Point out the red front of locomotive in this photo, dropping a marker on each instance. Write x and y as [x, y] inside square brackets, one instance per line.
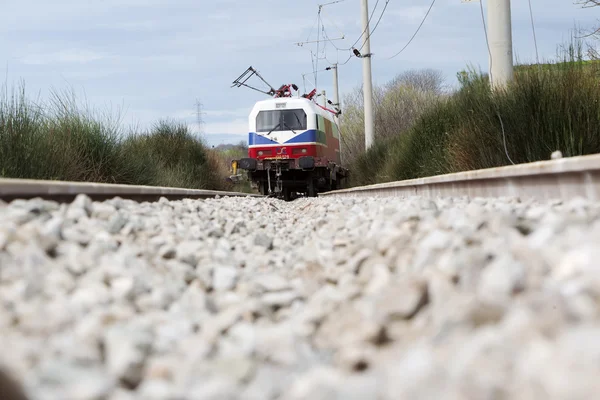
[291, 129]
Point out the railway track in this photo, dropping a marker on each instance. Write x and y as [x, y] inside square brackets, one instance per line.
[483, 285]
[565, 178]
[60, 191]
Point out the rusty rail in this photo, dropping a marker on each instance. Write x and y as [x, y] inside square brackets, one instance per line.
[11, 189]
[564, 178]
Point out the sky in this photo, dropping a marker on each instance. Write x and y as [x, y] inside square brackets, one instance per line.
[157, 59]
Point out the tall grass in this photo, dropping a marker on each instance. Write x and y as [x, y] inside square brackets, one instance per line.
[59, 140]
[546, 108]
[225, 155]
[397, 105]
[170, 156]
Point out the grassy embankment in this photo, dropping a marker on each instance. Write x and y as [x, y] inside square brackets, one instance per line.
[228, 153]
[58, 140]
[549, 107]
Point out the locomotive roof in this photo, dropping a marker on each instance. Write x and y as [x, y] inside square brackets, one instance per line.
[291, 102]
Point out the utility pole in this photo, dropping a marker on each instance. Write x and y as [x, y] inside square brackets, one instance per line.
[336, 92]
[336, 101]
[500, 40]
[367, 79]
[199, 113]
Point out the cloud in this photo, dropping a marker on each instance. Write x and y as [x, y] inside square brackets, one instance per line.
[412, 13]
[159, 56]
[67, 56]
[132, 26]
[239, 112]
[235, 126]
[220, 16]
[220, 114]
[215, 140]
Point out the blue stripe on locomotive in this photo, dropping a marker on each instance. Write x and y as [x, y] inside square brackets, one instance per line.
[254, 139]
[308, 136]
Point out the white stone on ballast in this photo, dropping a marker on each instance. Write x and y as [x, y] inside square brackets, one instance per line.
[246, 298]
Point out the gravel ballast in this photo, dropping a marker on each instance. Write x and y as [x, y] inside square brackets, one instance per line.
[327, 298]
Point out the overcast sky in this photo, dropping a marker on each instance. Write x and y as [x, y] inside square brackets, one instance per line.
[157, 57]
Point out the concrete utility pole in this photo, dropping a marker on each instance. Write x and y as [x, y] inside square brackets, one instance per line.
[336, 92]
[500, 39]
[336, 101]
[367, 79]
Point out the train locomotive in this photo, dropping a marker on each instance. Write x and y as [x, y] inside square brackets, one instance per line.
[293, 145]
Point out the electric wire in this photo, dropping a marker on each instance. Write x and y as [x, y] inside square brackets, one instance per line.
[325, 46]
[312, 59]
[369, 36]
[321, 27]
[347, 60]
[376, 25]
[327, 58]
[318, 35]
[487, 41]
[360, 37]
[337, 52]
[326, 36]
[312, 29]
[304, 77]
[416, 32]
[333, 23]
[363, 32]
[492, 80]
[321, 70]
[367, 27]
[537, 56]
[324, 52]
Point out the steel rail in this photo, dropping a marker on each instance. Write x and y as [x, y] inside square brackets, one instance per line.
[561, 179]
[61, 191]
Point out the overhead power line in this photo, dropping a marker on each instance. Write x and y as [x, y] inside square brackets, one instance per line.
[370, 33]
[369, 24]
[318, 41]
[416, 32]
[537, 56]
[313, 28]
[333, 23]
[487, 41]
[378, 21]
[363, 32]
[326, 36]
[333, 2]
[321, 29]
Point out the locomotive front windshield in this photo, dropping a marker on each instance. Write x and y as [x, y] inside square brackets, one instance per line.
[281, 120]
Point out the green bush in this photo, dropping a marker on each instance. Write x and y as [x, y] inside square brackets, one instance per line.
[61, 141]
[175, 156]
[546, 108]
[397, 106]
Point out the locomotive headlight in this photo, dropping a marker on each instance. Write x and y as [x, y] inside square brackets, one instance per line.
[260, 153]
[304, 151]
